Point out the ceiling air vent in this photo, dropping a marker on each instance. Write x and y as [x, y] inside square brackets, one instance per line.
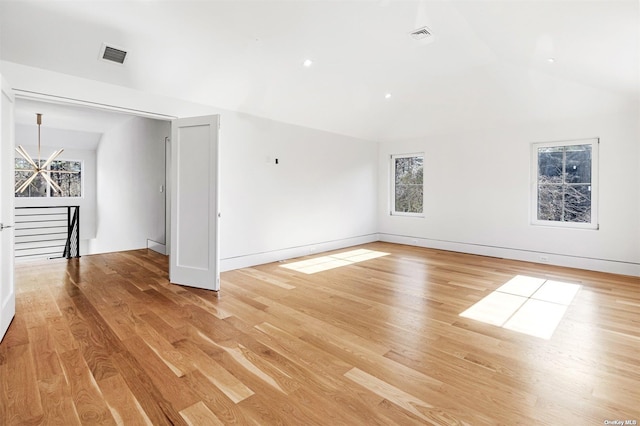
[421, 33]
[112, 54]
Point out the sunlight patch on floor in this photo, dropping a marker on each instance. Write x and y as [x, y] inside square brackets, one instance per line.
[495, 309]
[521, 285]
[528, 305]
[324, 263]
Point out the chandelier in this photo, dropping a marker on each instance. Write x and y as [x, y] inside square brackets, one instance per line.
[38, 168]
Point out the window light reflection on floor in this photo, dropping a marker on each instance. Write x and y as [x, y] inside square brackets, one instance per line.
[528, 305]
[324, 263]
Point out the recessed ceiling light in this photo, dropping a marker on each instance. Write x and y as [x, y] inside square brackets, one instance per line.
[551, 60]
[387, 96]
[307, 63]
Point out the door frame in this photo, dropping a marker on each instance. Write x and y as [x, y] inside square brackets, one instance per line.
[7, 267]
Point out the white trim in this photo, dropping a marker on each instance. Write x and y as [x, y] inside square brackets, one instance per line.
[594, 224]
[246, 261]
[392, 185]
[45, 97]
[157, 247]
[590, 264]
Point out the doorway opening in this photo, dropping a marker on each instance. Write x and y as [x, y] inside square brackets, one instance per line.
[123, 158]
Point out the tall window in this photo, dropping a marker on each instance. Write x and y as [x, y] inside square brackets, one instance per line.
[69, 178]
[407, 184]
[565, 177]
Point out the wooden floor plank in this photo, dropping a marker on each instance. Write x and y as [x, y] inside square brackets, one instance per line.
[224, 408]
[397, 396]
[44, 353]
[162, 374]
[233, 388]
[106, 339]
[124, 407]
[159, 410]
[57, 401]
[87, 398]
[199, 414]
[23, 403]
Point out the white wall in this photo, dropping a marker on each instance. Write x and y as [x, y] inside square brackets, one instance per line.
[26, 135]
[470, 206]
[130, 172]
[477, 193]
[320, 195]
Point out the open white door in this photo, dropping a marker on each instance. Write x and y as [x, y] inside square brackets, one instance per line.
[194, 259]
[7, 159]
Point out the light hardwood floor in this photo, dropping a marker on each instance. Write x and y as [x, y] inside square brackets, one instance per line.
[107, 340]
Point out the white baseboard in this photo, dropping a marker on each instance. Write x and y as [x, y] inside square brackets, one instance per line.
[249, 260]
[601, 265]
[156, 246]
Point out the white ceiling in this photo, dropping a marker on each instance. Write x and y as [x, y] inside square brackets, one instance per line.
[487, 62]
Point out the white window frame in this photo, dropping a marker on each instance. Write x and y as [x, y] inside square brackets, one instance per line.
[48, 196]
[392, 174]
[594, 224]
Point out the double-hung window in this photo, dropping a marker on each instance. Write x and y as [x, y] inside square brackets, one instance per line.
[407, 186]
[565, 184]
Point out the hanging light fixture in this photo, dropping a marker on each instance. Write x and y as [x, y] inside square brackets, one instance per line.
[38, 168]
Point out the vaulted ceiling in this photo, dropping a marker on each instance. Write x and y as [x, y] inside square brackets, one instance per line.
[486, 62]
